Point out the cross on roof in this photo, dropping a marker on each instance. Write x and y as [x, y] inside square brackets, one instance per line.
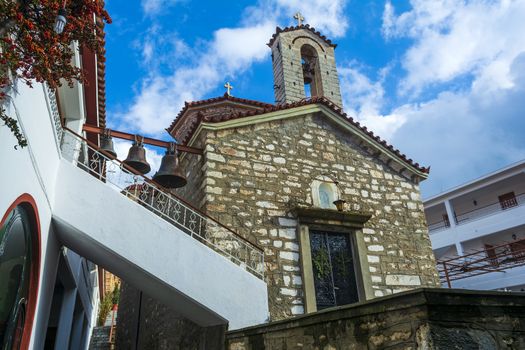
[299, 18]
[229, 88]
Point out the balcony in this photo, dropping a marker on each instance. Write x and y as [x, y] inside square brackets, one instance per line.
[492, 267]
[479, 213]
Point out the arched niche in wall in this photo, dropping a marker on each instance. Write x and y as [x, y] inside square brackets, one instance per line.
[19, 272]
[324, 193]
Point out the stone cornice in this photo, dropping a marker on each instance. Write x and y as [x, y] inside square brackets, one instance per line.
[321, 216]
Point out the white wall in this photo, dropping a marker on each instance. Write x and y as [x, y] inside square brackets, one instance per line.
[132, 242]
[33, 170]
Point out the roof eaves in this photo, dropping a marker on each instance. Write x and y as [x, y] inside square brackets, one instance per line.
[302, 26]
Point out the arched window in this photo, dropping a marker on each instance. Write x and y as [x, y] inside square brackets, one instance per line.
[17, 253]
[311, 73]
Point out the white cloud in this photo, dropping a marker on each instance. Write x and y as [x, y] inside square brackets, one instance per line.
[229, 53]
[363, 100]
[327, 16]
[455, 37]
[152, 7]
[161, 97]
[464, 132]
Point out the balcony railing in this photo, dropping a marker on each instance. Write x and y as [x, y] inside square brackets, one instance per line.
[479, 213]
[490, 209]
[167, 206]
[438, 226]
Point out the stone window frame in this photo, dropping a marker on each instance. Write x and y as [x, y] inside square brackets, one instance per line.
[351, 223]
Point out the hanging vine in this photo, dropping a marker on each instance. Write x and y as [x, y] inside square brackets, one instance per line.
[32, 51]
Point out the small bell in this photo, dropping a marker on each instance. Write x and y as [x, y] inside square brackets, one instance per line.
[137, 157]
[169, 174]
[106, 144]
[308, 72]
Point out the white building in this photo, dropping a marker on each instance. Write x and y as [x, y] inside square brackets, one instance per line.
[486, 215]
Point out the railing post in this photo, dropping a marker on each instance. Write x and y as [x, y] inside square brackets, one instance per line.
[446, 274]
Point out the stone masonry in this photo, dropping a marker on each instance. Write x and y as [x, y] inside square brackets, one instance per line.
[426, 319]
[287, 68]
[254, 176]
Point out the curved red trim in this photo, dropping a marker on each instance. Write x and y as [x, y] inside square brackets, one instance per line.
[29, 203]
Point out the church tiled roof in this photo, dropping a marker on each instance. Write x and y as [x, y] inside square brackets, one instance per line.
[192, 124]
[302, 26]
[187, 105]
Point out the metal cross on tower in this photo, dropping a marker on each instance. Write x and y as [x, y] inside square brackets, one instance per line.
[229, 88]
[299, 18]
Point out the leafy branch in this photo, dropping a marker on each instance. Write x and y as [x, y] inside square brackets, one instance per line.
[31, 51]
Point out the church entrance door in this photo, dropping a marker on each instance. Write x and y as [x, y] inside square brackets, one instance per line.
[333, 268]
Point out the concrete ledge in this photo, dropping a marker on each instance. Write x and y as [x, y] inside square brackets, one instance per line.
[422, 318]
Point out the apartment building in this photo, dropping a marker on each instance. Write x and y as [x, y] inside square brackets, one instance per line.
[483, 223]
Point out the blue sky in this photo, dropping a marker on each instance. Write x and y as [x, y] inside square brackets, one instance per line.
[442, 80]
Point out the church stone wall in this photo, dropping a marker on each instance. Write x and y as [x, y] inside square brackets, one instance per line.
[255, 176]
[193, 166]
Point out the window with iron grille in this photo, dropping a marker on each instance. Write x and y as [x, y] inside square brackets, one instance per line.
[507, 200]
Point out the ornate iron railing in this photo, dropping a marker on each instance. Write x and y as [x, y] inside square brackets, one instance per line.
[53, 109]
[174, 210]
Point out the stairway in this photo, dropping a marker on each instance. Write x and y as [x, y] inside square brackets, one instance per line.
[156, 242]
[100, 339]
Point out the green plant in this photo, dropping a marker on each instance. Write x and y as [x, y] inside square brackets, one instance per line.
[105, 308]
[115, 295]
[321, 263]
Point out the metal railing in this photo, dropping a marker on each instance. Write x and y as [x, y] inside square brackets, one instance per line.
[479, 213]
[53, 109]
[158, 200]
[490, 209]
[438, 226]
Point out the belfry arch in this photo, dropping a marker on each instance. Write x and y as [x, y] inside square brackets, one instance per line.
[313, 85]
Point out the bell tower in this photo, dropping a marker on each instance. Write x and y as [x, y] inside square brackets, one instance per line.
[303, 64]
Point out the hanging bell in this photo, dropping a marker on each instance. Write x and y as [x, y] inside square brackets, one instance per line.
[137, 157]
[308, 72]
[106, 144]
[170, 174]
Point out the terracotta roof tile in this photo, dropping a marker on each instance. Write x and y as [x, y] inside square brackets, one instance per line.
[225, 97]
[302, 26]
[268, 108]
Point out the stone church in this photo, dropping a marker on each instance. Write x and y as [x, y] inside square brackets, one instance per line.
[336, 209]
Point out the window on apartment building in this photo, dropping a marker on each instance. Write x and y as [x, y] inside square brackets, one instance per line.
[333, 269]
[507, 200]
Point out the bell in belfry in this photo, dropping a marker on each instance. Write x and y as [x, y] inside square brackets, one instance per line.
[308, 71]
[106, 144]
[169, 174]
[137, 157]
